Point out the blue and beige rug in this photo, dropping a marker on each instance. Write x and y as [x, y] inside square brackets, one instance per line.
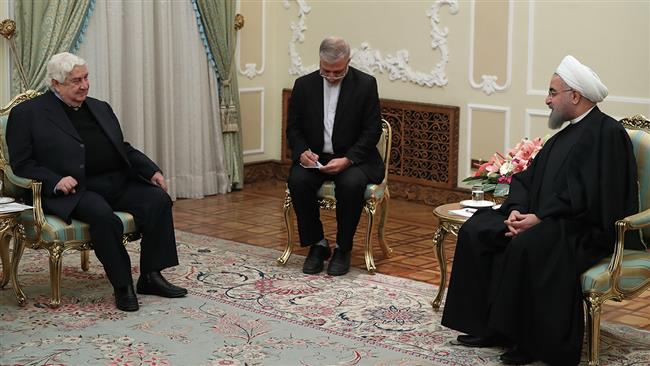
[244, 309]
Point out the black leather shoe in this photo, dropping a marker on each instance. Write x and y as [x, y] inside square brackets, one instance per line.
[516, 356]
[314, 261]
[469, 340]
[340, 263]
[125, 298]
[153, 283]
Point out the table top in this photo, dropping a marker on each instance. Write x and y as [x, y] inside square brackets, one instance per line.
[442, 212]
[10, 214]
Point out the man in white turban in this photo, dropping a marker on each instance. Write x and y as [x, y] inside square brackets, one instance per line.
[575, 77]
[515, 280]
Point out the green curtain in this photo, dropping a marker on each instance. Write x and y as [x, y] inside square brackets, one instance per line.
[43, 29]
[218, 18]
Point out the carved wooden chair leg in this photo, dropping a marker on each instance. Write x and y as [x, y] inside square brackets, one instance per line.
[388, 251]
[85, 259]
[288, 222]
[19, 248]
[56, 259]
[594, 304]
[370, 261]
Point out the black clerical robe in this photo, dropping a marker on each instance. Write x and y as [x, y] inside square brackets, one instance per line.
[527, 288]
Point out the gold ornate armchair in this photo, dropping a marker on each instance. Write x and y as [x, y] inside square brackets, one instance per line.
[37, 230]
[626, 273]
[376, 204]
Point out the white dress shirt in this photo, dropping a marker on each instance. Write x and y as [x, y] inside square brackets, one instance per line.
[330, 101]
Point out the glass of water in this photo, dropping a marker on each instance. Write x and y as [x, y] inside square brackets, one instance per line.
[477, 192]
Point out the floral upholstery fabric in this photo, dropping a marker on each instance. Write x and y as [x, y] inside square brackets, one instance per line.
[635, 273]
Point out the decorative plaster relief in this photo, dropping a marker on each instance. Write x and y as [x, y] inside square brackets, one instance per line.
[488, 83]
[250, 69]
[371, 61]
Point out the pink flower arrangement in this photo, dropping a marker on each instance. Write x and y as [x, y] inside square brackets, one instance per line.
[496, 173]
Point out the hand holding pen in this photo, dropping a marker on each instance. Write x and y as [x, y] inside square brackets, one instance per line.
[308, 158]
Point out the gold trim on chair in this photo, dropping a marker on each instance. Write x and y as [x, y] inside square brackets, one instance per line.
[29, 94]
[376, 203]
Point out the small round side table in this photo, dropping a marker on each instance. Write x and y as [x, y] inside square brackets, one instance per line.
[448, 223]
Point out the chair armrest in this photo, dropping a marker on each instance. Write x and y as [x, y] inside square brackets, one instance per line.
[19, 181]
[633, 222]
[639, 220]
[39, 216]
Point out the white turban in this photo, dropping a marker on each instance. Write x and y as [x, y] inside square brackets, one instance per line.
[581, 78]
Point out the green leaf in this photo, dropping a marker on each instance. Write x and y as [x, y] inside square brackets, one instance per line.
[472, 179]
[489, 187]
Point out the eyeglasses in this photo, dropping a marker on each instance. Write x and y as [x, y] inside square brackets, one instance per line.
[334, 76]
[75, 81]
[552, 93]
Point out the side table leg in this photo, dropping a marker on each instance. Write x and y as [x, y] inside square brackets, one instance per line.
[4, 257]
[19, 247]
[7, 224]
[438, 243]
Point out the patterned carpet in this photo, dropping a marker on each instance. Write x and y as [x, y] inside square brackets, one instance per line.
[243, 309]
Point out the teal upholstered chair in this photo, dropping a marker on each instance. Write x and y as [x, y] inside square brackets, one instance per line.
[376, 204]
[40, 231]
[627, 272]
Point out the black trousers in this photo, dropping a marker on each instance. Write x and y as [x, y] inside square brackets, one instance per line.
[350, 187]
[151, 208]
[526, 288]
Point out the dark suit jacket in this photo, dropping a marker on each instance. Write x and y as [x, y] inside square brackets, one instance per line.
[45, 146]
[357, 123]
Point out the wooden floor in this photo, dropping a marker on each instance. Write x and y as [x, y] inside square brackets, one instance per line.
[254, 216]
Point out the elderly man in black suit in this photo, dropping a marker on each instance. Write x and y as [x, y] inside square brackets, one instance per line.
[73, 144]
[333, 128]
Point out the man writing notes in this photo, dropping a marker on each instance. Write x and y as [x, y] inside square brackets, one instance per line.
[73, 144]
[333, 120]
[515, 280]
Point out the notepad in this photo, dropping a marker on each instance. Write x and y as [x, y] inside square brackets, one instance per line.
[318, 165]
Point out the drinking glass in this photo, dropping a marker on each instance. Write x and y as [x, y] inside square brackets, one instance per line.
[477, 192]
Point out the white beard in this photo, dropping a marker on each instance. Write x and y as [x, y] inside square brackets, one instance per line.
[555, 120]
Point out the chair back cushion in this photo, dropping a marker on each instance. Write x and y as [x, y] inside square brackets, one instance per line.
[8, 187]
[384, 145]
[641, 145]
[8, 178]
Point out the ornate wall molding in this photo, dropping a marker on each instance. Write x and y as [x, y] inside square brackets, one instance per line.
[529, 114]
[468, 135]
[260, 90]
[530, 90]
[250, 70]
[371, 60]
[488, 83]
